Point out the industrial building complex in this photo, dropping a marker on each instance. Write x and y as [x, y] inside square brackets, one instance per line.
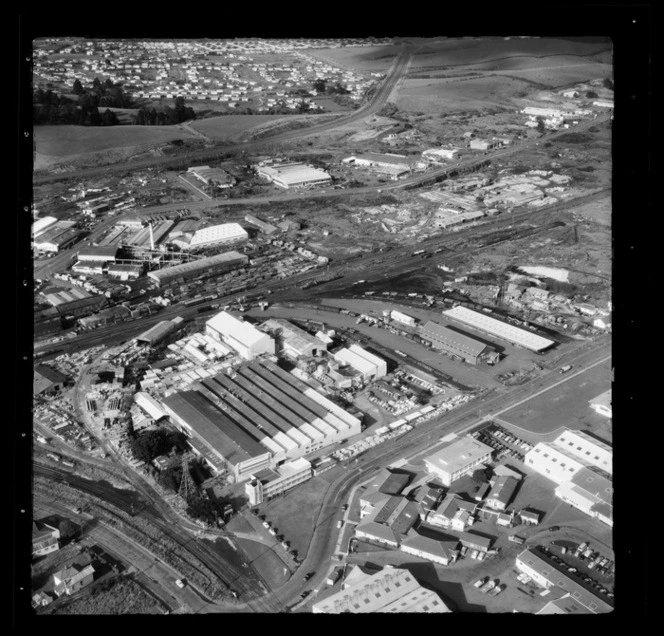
[258, 417]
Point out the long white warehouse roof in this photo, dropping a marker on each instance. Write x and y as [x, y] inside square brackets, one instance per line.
[498, 328]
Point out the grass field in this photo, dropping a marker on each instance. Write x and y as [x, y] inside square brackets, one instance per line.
[565, 405]
[226, 126]
[360, 58]
[464, 52]
[64, 141]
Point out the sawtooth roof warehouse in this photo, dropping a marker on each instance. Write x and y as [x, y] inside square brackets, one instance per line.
[260, 417]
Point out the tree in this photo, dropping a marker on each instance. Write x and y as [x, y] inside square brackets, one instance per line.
[109, 118]
[319, 85]
[541, 127]
[78, 87]
[479, 476]
[68, 530]
[150, 444]
[203, 509]
[608, 83]
[591, 94]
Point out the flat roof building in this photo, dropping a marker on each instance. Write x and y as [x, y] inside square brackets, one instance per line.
[457, 459]
[213, 264]
[242, 336]
[456, 344]
[391, 590]
[294, 175]
[269, 483]
[497, 328]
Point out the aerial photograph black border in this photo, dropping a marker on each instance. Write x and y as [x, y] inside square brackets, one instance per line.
[630, 29]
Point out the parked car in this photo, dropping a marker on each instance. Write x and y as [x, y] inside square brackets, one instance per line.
[497, 590]
[480, 582]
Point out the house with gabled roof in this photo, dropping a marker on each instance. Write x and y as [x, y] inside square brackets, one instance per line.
[72, 578]
[45, 538]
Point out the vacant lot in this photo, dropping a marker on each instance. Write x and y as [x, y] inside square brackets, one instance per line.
[566, 405]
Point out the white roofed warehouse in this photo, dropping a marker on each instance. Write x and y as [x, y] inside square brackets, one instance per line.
[214, 234]
[459, 458]
[371, 367]
[498, 328]
[242, 336]
[294, 175]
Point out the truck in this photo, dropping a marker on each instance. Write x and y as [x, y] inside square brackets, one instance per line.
[180, 583]
[565, 368]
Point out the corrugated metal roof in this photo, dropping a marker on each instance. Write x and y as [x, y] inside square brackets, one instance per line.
[452, 341]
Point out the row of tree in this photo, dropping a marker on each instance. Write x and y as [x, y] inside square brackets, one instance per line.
[165, 115]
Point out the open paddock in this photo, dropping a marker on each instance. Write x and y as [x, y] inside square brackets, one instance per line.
[65, 141]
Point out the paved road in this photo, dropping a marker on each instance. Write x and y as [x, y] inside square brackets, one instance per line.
[325, 538]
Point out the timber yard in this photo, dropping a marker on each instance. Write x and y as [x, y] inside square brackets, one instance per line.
[322, 326]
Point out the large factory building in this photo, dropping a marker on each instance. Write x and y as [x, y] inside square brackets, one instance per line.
[257, 417]
[242, 336]
[456, 344]
[217, 264]
[294, 175]
[498, 328]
